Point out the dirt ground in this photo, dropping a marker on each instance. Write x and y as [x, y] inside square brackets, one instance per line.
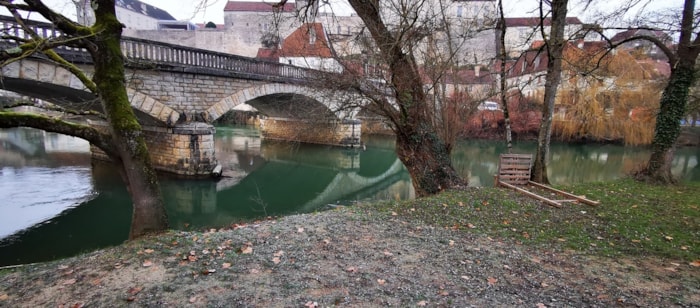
[350, 257]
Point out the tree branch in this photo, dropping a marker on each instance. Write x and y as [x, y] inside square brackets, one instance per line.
[52, 107]
[103, 141]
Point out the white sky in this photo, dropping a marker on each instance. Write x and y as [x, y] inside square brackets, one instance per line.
[214, 11]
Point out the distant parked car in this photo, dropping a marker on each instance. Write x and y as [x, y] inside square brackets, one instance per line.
[489, 105]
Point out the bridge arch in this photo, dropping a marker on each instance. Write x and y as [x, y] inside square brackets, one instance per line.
[152, 107]
[332, 101]
[50, 82]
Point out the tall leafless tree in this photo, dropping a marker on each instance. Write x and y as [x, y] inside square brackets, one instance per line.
[554, 43]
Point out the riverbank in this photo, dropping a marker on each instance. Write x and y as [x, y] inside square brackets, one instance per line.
[478, 246]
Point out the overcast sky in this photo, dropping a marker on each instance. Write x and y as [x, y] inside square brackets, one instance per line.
[187, 9]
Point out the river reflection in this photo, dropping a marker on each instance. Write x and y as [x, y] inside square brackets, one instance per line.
[58, 204]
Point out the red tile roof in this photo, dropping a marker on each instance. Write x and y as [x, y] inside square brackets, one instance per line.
[237, 6]
[268, 54]
[535, 21]
[301, 44]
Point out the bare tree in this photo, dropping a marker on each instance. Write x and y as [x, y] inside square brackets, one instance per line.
[123, 141]
[554, 45]
[397, 29]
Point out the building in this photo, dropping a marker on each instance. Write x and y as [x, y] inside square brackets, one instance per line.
[134, 15]
[522, 32]
[308, 46]
[644, 46]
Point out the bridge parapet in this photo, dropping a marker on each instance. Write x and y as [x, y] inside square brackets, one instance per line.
[142, 53]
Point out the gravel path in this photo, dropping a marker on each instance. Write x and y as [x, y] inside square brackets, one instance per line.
[350, 257]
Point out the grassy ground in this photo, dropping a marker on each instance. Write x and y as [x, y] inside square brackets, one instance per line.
[633, 219]
[478, 247]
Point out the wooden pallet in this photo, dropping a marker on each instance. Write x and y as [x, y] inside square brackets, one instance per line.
[514, 173]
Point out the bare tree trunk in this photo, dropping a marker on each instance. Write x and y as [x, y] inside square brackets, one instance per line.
[149, 209]
[555, 47]
[418, 145]
[502, 73]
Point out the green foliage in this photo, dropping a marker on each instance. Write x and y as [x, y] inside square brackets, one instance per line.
[633, 219]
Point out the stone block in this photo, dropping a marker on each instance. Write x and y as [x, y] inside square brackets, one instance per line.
[29, 70]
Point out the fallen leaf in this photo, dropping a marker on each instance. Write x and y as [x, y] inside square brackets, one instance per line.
[492, 281]
[351, 269]
[381, 281]
[388, 254]
[4, 297]
[192, 258]
[422, 303]
[695, 263]
[148, 250]
[278, 254]
[452, 243]
[246, 249]
[394, 214]
[684, 247]
[300, 230]
[226, 265]
[276, 260]
[193, 299]
[541, 305]
[63, 267]
[465, 277]
[208, 271]
[254, 271]
[668, 238]
[444, 293]
[69, 282]
[470, 226]
[135, 290]
[311, 304]
[147, 263]
[544, 284]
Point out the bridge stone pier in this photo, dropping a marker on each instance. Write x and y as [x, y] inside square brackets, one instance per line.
[184, 150]
[178, 93]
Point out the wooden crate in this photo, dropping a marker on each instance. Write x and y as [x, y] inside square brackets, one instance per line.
[514, 169]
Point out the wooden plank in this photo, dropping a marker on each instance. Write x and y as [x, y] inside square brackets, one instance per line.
[514, 168]
[532, 195]
[563, 193]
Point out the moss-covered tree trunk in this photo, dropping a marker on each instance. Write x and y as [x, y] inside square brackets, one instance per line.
[673, 100]
[668, 127]
[555, 48]
[149, 210]
[418, 146]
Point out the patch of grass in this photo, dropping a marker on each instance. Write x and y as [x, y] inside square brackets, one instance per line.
[633, 219]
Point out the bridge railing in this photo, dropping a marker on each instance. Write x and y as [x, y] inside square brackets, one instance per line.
[140, 50]
[170, 56]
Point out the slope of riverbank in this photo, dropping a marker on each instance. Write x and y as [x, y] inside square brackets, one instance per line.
[479, 246]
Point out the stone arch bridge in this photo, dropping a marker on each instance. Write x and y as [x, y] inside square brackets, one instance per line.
[177, 93]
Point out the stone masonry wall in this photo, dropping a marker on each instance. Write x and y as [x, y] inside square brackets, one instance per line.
[332, 133]
[188, 93]
[186, 149]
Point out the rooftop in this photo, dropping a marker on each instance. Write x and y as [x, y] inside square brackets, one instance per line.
[144, 9]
